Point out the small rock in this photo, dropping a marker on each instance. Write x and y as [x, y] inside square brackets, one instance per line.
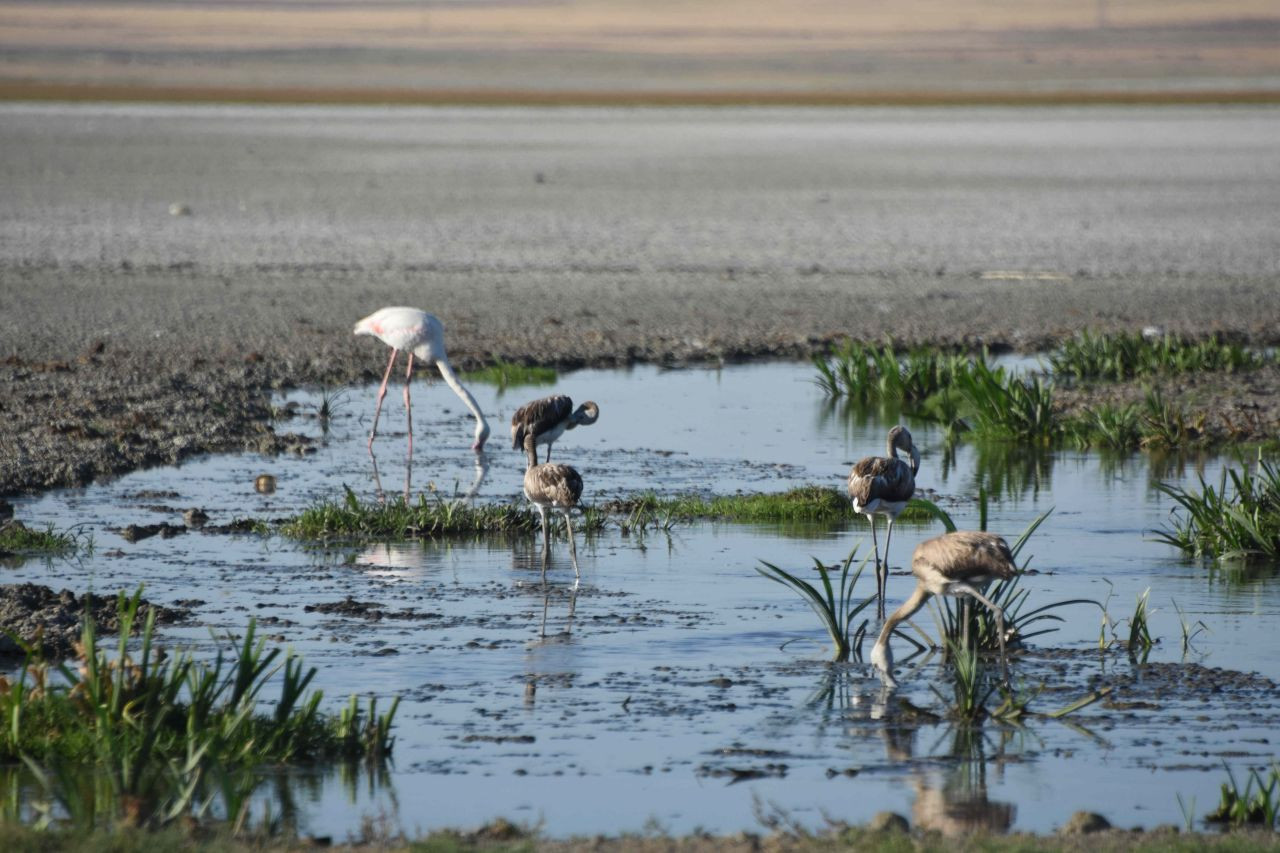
[888, 822]
[1084, 823]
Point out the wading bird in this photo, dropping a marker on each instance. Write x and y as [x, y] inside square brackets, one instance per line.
[952, 564]
[547, 419]
[882, 485]
[553, 486]
[422, 334]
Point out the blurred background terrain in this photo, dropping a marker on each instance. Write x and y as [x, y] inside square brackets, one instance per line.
[614, 51]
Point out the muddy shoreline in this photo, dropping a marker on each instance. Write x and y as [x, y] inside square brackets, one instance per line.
[133, 399]
[164, 268]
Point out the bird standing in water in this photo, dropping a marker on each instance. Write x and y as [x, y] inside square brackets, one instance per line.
[547, 419]
[422, 334]
[552, 486]
[882, 485]
[955, 564]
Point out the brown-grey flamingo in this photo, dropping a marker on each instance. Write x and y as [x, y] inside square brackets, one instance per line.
[882, 485]
[547, 419]
[959, 563]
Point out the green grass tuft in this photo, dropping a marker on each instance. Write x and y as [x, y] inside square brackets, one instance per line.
[16, 537]
[146, 737]
[1117, 358]
[1237, 520]
[507, 374]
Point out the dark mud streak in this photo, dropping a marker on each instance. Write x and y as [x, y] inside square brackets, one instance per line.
[137, 401]
[53, 622]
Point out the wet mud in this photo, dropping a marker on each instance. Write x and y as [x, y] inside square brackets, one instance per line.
[131, 337]
[52, 623]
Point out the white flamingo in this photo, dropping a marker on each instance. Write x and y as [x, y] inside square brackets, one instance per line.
[422, 335]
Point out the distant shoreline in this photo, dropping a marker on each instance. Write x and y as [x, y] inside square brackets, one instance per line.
[36, 91]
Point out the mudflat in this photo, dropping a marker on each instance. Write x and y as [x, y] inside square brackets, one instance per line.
[163, 268]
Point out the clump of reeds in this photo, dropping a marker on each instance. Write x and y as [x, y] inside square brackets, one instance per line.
[834, 603]
[1121, 357]
[507, 374]
[18, 538]
[1004, 406]
[1238, 519]
[864, 373]
[146, 737]
[1257, 805]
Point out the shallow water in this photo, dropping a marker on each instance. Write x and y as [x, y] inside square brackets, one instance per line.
[677, 687]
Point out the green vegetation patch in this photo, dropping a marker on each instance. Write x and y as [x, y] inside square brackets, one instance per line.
[16, 537]
[429, 518]
[1116, 358]
[968, 396]
[1239, 519]
[507, 374]
[148, 736]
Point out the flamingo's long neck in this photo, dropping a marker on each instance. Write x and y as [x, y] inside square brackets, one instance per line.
[881, 653]
[451, 379]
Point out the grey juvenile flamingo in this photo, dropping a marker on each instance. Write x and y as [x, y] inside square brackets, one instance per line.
[955, 564]
[882, 485]
[547, 419]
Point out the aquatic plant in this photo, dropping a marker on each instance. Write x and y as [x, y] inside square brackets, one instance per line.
[1239, 519]
[17, 538]
[1003, 406]
[1106, 426]
[1120, 357]
[865, 373]
[154, 729]
[1166, 427]
[1189, 631]
[1250, 807]
[1140, 642]
[508, 374]
[833, 604]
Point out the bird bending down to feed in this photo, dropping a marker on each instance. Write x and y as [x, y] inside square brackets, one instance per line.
[955, 564]
[422, 334]
[882, 485]
[558, 487]
[547, 419]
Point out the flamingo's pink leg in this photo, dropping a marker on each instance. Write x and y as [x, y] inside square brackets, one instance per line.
[408, 408]
[382, 392]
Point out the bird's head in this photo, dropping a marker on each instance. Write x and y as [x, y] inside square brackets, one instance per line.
[882, 663]
[586, 414]
[900, 439]
[482, 435]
